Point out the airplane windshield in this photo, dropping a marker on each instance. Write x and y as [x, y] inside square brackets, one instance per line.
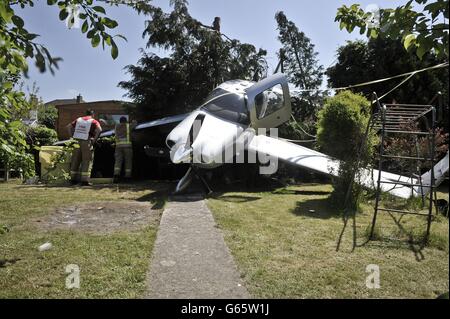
[226, 105]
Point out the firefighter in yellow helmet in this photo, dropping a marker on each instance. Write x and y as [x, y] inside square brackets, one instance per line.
[85, 130]
[124, 149]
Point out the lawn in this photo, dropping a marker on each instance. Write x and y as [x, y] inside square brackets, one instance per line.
[112, 265]
[289, 243]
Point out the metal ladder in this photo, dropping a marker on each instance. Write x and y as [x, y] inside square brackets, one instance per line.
[389, 121]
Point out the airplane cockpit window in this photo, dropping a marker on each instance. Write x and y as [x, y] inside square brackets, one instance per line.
[269, 101]
[226, 105]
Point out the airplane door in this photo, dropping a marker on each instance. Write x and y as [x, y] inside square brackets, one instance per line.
[269, 102]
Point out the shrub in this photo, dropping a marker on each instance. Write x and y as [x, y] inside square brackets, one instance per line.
[47, 115]
[14, 149]
[413, 146]
[36, 137]
[341, 134]
[41, 135]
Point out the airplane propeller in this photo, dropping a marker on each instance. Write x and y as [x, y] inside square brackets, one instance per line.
[184, 154]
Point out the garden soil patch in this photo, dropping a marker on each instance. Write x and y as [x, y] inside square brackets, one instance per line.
[101, 217]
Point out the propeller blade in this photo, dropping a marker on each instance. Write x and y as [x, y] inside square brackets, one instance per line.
[195, 129]
[185, 181]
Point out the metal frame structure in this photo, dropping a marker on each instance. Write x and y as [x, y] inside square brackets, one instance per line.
[389, 121]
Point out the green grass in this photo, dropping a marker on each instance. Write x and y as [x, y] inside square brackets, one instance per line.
[111, 266]
[290, 243]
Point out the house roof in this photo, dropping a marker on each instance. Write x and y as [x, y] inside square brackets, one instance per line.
[90, 103]
[58, 102]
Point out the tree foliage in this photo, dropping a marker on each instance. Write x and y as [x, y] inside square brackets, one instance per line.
[17, 47]
[359, 62]
[18, 44]
[341, 134]
[300, 63]
[47, 115]
[198, 59]
[420, 31]
[40, 135]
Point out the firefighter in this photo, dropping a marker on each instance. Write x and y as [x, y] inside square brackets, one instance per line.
[124, 149]
[85, 130]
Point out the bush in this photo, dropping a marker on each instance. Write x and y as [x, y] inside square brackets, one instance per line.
[340, 134]
[41, 135]
[36, 137]
[47, 115]
[14, 149]
[413, 146]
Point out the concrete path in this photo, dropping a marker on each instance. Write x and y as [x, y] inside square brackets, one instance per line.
[190, 258]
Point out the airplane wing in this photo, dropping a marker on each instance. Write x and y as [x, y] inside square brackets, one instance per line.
[322, 163]
[162, 121]
[294, 154]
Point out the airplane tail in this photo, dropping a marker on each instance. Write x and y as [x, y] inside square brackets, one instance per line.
[440, 169]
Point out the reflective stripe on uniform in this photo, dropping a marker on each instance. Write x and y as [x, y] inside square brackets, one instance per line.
[126, 140]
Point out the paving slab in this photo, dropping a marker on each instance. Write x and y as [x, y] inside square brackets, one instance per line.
[190, 258]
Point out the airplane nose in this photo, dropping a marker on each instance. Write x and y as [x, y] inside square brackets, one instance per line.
[181, 154]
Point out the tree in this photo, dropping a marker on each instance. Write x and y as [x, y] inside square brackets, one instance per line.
[13, 147]
[300, 63]
[47, 115]
[421, 32]
[341, 133]
[360, 61]
[18, 45]
[199, 58]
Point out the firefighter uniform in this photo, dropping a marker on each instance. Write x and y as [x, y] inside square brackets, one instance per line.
[124, 150]
[85, 130]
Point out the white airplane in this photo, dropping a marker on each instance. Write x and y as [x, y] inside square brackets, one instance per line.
[236, 117]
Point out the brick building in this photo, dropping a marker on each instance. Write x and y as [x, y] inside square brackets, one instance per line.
[109, 112]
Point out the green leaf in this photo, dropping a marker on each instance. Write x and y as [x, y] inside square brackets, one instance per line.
[18, 21]
[31, 36]
[114, 50]
[99, 9]
[85, 26]
[91, 33]
[6, 13]
[420, 52]
[95, 40]
[121, 36]
[107, 39]
[8, 85]
[410, 39]
[63, 14]
[109, 23]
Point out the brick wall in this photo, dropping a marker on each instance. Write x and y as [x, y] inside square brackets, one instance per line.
[69, 112]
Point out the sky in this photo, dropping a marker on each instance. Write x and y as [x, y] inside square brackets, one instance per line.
[92, 72]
